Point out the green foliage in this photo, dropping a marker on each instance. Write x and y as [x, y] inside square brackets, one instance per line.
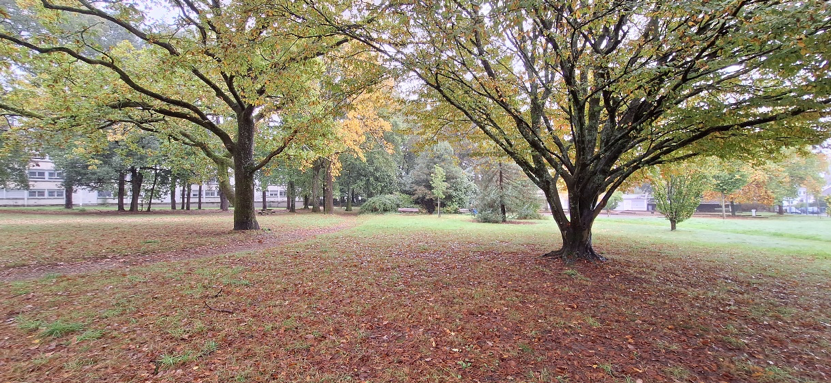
[677, 191]
[376, 174]
[418, 183]
[381, 204]
[437, 181]
[489, 216]
[729, 180]
[505, 184]
[13, 161]
[614, 201]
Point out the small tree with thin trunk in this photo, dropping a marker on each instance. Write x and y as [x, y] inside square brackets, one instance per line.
[677, 191]
[614, 201]
[439, 186]
[726, 182]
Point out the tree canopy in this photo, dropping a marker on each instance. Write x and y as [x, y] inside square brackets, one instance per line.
[587, 93]
[214, 75]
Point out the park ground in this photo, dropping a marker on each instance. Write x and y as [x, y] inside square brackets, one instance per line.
[175, 297]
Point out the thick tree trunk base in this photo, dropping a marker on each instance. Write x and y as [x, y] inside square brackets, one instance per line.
[250, 225]
[574, 254]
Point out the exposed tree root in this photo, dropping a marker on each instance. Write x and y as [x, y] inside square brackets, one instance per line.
[570, 256]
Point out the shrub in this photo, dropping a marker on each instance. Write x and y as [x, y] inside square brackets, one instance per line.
[530, 210]
[405, 200]
[381, 204]
[489, 216]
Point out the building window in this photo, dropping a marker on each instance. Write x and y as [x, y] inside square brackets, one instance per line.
[37, 193]
[105, 194]
[194, 194]
[211, 193]
[37, 175]
[56, 175]
[55, 193]
[274, 193]
[282, 193]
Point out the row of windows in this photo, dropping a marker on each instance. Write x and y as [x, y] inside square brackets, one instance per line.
[43, 175]
[281, 193]
[43, 193]
[206, 193]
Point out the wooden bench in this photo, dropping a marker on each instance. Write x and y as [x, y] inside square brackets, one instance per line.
[408, 210]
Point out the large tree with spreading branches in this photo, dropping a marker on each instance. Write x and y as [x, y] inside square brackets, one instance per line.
[582, 94]
[221, 76]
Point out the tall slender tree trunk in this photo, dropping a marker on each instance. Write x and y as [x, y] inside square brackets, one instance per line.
[245, 215]
[199, 198]
[732, 208]
[121, 186]
[265, 199]
[190, 192]
[67, 195]
[172, 193]
[502, 209]
[316, 186]
[328, 194]
[438, 208]
[723, 208]
[136, 179]
[305, 201]
[153, 188]
[349, 192]
[184, 192]
[290, 197]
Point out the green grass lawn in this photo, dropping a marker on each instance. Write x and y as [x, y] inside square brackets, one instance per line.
[403, 298]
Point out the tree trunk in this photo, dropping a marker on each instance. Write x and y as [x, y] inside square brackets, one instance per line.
[172, 193]
[780, 209]
[349, 192]
[190, 191]
[672, 224]
[305, 201]
[576, 230]
[502, 209]
[227, 190]
[153, 188]
[732, 208]
[199, 198]
[316, 186]
[328, 194]
[290, 197]
[723, 208]
[135, 186]
[245, 215]
[223, 201]
[67, 195]
[265, 200]
[438, 208]
[121, 182]
[184, 193]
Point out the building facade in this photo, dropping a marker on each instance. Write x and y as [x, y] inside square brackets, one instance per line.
[46, 189]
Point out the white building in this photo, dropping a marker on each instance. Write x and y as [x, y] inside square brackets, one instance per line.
[46, 189]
